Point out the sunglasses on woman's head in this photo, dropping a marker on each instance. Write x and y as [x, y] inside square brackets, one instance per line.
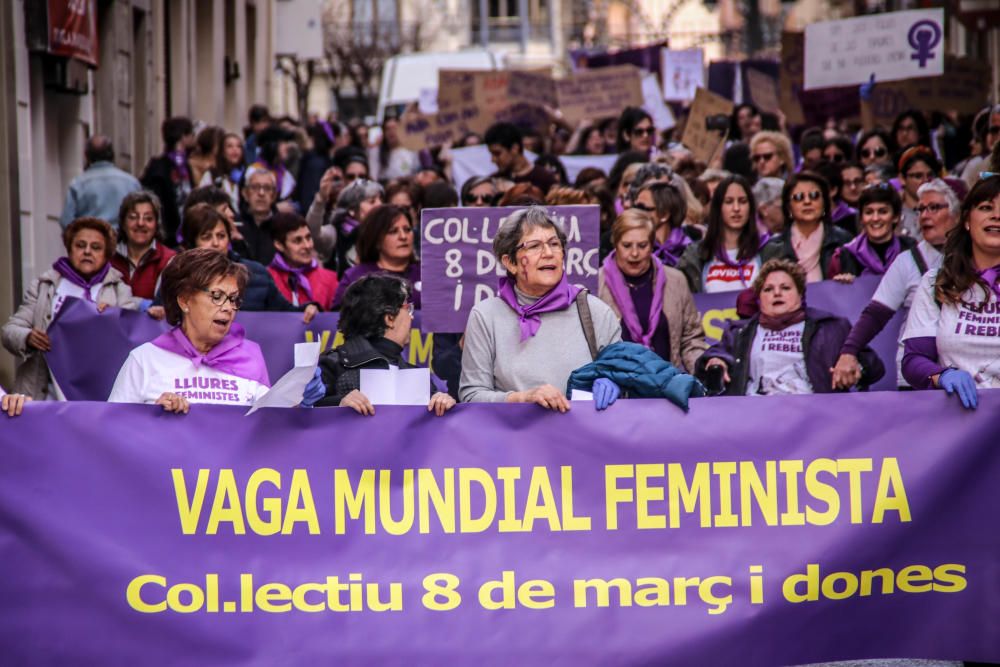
[801, 196]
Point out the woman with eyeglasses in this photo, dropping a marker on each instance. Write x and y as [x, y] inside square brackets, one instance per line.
[728, 258]
[205, 357]
[479, 192]
[385, 246]
[636, 131]
[375, 320]
[911, 129]
[771, 155]
[786, 348]
[952, 335]
[873, 251]
[810, 237]
[917, 165]
[938, 210]
[876, 147]
[652, 300]
[522, 345]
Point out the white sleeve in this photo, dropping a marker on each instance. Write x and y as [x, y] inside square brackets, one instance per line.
[895, 284]
[925, 313]
[130, 383]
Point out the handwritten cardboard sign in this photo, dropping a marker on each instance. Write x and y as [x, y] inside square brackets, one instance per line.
[599, 93]
[697, 137]
[892, 46]
[763, 90]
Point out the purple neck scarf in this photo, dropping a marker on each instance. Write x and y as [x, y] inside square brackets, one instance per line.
[233, 355]
[348, 224]
[992, 276]
[615, 281]
[841, 211]
[299, 275]
[179, 158]
[862, 248]
[558, 298]
[67, 271]
[669, 252]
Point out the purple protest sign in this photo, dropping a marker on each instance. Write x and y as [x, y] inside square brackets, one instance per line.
[844, 300]
[89, 348]
[458, 269]
[748, 531]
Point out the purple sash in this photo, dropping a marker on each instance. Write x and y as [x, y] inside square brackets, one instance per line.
[670, 251]
[67, 271]
[298, 274]
[615, 281]
[861, 248]
[234, 355]
[558, 298]
[992, 276]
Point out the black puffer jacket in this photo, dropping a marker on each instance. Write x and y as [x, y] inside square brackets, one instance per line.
[341, 366]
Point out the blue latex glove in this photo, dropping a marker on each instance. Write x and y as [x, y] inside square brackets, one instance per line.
[867, 89]
[954, 380]
[605, 393]
[314, 391]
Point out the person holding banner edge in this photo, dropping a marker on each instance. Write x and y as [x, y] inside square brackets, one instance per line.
[522, 345]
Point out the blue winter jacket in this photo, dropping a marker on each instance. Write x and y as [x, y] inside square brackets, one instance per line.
[639, 371]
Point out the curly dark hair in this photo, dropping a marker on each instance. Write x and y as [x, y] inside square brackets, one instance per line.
[374, 229]
[366, 303]
[958, 272]
[749, 237]
[193, 270]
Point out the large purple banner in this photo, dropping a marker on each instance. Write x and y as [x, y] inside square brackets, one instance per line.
[458, 269]
[750, 531]
[844, 300]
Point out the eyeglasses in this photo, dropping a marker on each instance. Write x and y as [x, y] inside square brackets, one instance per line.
[479, 199]
[260, 187]
[801, 196]
[854, 182]
[535, 247]
[643, 131]
[929, 208]
[219, 298]
[874, 152]
[408, 306]
[762, 157]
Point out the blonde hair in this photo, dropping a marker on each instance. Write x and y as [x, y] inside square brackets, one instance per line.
[782, 146]
[566, 196]
[630, 219]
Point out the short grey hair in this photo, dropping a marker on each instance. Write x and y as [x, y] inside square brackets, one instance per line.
[767, 190]
[351, 197]
[714, 175]
[648, 172]
[518, 224]
[940, 187]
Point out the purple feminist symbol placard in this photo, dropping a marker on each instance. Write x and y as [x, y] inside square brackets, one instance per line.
[458, 268]
[923, 37]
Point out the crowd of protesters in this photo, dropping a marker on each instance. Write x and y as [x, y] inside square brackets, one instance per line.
[316, 216]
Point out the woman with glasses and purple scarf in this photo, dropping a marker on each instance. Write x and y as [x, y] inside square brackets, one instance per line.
[728, 258]
[952, 335]
[522, 345]
[84, 273]
[652, 300]
[205, 357]
[878, 245]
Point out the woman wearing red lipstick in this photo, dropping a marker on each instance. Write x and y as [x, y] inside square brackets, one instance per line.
[652, 300]
[786, 348]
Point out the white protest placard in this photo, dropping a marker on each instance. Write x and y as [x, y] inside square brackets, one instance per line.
[683, 73]
[428, 102]
[893, 47]
[663, 118]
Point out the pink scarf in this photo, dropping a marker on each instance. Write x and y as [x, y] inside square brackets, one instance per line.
[619, 289]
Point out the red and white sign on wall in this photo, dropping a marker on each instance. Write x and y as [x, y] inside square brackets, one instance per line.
[72, 29]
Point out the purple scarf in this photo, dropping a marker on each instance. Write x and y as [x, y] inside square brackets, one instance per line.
[841, 211]
[861, 248]
[179, 158]
[991, 276]
[348, 224]
[298, 275]
[558, 298]
[67, 271]
[669, 252]
[615, 281]
[233, 355]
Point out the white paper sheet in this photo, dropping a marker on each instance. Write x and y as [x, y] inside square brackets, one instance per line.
[287, 392]
[396, 386]
[581, 395]
[663, 118]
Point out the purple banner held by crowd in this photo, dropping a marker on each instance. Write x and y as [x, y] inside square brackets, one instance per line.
[749, 531]
[458, 268]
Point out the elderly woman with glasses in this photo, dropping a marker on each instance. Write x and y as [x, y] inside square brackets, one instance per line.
[810, 237]
[205, 357]
[938, 209]
[522, 345]
[375, 320]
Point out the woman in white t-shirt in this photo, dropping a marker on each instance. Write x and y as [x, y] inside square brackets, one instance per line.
[784, 349]
[952, 336]
[728, 258]
[205, 358]
[84, 273]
